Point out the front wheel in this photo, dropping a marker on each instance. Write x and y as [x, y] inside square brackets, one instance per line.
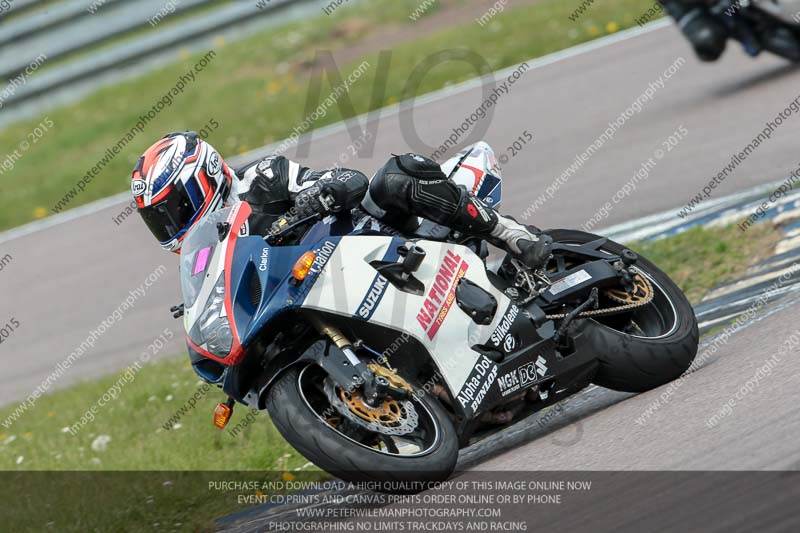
[649, 346]
[403, 441]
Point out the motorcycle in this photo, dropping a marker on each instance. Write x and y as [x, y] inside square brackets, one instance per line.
[771, 25]
[379, 355]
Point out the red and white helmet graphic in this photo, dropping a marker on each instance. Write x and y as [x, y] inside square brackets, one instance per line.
[177, 181]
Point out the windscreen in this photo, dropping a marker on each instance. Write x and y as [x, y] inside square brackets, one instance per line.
[197, 252]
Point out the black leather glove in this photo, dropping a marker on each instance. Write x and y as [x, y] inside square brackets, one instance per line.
[322, 198]
[341, 191]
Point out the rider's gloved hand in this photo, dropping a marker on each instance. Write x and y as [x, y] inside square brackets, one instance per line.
[323, 198]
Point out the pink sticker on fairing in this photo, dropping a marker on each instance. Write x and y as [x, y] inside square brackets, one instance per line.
[201, 261]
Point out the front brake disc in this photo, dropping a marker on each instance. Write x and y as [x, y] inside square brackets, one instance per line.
[391, 417]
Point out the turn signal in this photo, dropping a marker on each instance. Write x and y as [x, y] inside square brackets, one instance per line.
[222, 414]
[303, 265]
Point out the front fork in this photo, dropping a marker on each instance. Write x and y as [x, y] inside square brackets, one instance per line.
[340, 361]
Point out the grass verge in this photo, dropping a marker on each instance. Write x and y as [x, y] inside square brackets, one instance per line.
[701, 258]
[255, 89]
[150, 426]
[125, 470]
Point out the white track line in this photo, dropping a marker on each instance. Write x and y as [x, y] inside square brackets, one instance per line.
[649, 225]
[567, 53]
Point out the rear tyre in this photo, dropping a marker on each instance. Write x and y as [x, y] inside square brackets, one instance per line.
[303, 417]
[647, 348]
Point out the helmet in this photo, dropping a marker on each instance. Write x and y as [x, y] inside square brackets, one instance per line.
[177, 181]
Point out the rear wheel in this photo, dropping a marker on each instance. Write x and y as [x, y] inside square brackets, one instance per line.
[410, 440]
[648, 346]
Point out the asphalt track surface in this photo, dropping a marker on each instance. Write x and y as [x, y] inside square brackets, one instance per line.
[714, 419]
[64, 281]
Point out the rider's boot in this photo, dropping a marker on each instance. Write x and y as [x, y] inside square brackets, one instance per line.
[707, 35]
[475, 218]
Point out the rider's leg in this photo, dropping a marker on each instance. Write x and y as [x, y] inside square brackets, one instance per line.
[707, 35]
[414, 186]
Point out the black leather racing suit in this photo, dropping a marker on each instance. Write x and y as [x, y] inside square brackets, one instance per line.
[406, 187]
[276, 185]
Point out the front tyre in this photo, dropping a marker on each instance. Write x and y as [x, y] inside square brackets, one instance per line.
[641, 350]
[302, 412]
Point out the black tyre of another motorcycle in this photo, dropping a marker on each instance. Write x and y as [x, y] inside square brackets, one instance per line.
[289, 402]
[668, 334]
[708, 37]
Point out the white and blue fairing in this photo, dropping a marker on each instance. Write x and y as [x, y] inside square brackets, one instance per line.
[343, 282]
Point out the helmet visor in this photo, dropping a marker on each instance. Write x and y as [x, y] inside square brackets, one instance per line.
[169, 218]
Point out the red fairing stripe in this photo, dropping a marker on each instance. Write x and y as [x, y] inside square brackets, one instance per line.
[205, 353]
[239, 215]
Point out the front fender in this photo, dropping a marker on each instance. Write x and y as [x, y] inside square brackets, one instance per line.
[273, 370]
